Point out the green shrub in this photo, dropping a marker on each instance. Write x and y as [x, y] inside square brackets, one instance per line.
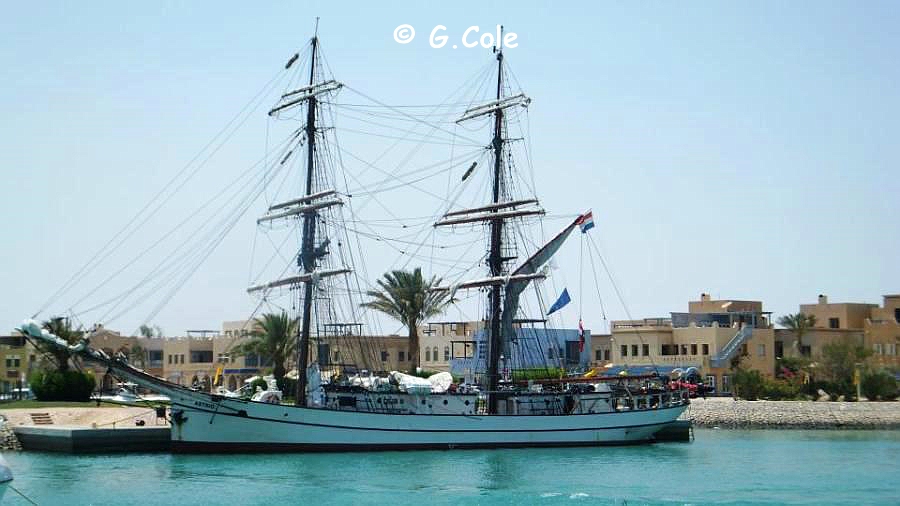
[748, 384]
[424, 373]
[287, 386]
[258, 382]
[781, 390]
[537, 374]
[75, 386]
[879, 385]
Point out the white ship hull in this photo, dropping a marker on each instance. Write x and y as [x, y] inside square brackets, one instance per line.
[235, 425]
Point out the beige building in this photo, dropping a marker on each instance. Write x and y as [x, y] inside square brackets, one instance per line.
[711, 335]
[441, 341]
[876, 328]
[601, 349]
[882, 331]
[17, 359]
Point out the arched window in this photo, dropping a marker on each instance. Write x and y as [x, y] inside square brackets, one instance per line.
[434, 353]
[427, 354]
[446, 353]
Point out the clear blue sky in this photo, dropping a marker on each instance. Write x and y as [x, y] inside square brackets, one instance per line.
[743, 149]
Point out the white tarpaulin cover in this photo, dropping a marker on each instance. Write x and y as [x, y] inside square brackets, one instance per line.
[411, 384]
[440, 382]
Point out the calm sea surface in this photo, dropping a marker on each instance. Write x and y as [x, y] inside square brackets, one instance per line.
[719, 467]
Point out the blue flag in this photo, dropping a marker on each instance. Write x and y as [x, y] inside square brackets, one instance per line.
[560, 302]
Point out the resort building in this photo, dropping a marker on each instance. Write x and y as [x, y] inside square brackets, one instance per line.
[710, 336]
[882, 331]
[441, 341]
[17, 359]
[876, 328]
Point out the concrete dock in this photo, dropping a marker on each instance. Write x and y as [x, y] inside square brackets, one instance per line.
[88, 440]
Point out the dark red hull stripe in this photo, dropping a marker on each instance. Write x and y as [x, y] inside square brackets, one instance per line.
[384, 429]
[209, 447]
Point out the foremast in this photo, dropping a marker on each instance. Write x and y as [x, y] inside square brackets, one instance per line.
[307, 259]
[308, 207]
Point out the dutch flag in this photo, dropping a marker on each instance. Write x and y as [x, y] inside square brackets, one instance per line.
[586, 221]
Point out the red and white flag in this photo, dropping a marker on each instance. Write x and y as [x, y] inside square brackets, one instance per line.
[580, 337]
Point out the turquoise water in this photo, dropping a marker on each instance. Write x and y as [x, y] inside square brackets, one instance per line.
[719, 467]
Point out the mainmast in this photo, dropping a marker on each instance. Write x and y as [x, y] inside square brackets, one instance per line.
[307, 259]
[495, 257]
[496, 213]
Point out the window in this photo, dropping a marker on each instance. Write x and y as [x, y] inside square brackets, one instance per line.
[726, 383]
[705, 348]
[760, 350]
[384, 356]
[434, 354]
[606, 355]
[181, 358]
[446, 353]
[427, 354]
[624, 350]
[201, 357]
[155, 356]
[401, 356]
[897, 314]
[251, 360]
[598, 355]
[876, 346]
[806, 351]
[223, 358]
[684, 349]
[634, 350]
[710, 381]
[694, 349]
[170, 359]
[891, 349]
[834, 323]
[645, 350]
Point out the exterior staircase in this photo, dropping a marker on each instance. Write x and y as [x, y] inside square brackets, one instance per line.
[41, 418]
[725, 355]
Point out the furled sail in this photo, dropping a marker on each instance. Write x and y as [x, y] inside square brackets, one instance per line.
[293, 280]
[531, 266]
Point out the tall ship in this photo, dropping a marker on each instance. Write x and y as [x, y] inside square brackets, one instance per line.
[344, 407]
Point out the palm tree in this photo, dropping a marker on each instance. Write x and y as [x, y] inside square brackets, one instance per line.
[137, 355]
[148, 331]
[798, 324]
[274, 336]
[62, 328]
[410, 299]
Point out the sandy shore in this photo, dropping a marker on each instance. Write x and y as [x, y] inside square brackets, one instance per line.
[724, 412]
[86, 417]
